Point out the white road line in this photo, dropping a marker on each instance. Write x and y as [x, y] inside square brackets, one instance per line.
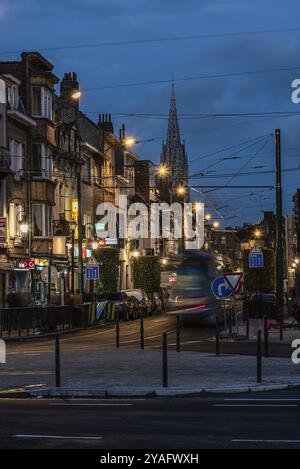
[59, 437]
[262, 400]
[89, 404]
[265, 441]
[255, 405]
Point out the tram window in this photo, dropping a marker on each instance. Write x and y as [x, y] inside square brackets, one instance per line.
[192, 282]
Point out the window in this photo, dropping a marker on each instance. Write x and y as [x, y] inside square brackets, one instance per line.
[13, 96]
[17, 154]
[41, 214]
[87, 223]
[41, 160]
[41, 102]
[15, 217]
[86, 173]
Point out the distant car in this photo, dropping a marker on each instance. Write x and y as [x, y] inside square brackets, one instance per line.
[142, 297]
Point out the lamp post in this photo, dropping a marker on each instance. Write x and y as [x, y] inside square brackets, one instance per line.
[72, 226]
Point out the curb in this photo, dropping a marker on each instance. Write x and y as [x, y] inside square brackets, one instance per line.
[51, 335]
[141, 393]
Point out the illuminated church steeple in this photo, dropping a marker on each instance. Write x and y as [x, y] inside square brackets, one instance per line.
[173, 152]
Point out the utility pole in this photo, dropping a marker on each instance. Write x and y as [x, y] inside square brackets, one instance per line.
[279, 233]
[80, 258]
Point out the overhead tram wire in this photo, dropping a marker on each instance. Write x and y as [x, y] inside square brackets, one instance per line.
[159, 40]
[247, 162]
[193, 78]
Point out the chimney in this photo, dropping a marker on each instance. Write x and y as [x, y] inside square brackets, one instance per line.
[105, 123]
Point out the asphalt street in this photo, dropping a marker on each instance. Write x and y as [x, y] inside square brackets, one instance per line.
[192, 339]
[238, 421]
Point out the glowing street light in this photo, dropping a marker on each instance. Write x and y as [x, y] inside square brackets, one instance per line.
[257, 233]
[163, 170]
[216, 224]
[207, 216]
[129, 142]
[180, 190]
[76, 95]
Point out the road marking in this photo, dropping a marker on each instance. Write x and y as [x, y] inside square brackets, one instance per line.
[262, 400]
[255, 405]
[265, 441]
[89, 404]
[59, 437]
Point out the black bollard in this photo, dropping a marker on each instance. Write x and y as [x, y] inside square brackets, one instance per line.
[117, 333]
[217, 337]
[165, 360]
[281, 330]
[259, 358]
[247, 328]
[57, 361]
[266, 337]
[142, 334]
[178, 333]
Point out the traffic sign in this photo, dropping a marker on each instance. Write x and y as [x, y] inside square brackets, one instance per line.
[92, 272]
[233, 279]
[220, 288]
[256, 258]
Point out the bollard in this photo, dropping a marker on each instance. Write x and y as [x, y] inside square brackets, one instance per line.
[165, 360]
[247, 328]
[259, 357]
[281, 331]
[217, 337]
[230, 322]
[142, 334]
[57, 361]
[178, 333]
[266, 337]
[117, 333]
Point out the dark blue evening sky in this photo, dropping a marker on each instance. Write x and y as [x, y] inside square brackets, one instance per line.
[36, 24]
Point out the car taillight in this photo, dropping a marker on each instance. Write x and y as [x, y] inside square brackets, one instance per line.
[194, 308]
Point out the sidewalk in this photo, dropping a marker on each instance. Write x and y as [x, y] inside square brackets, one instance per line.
[258, 324]
[139, 372]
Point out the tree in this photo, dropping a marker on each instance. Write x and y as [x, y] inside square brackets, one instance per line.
[108, 260]
[146, 274]
[260, 279]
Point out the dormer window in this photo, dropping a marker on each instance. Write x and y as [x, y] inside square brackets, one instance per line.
[41, 102]
[13, 96]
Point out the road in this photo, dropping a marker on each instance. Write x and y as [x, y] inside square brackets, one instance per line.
[192, 339]
[250, 421]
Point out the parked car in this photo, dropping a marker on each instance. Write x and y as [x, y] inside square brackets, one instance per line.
[124, 309]
[141, 296]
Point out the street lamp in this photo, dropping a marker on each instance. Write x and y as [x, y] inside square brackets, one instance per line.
[216, 224]
[257, 233]
[72, 226]
[76, 95]
[163, 170]
[207, 216]
[181, 190]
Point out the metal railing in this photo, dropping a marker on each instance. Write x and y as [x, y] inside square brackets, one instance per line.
[41, 319]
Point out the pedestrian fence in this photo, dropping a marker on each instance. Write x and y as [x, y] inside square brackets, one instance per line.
[22, 321]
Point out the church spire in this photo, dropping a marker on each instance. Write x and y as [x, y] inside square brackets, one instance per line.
[173, 152]
[173, 134]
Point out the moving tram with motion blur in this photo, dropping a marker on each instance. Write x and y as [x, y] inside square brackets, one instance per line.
[186, 283]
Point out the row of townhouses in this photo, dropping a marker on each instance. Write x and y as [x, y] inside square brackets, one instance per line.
[56, 167]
